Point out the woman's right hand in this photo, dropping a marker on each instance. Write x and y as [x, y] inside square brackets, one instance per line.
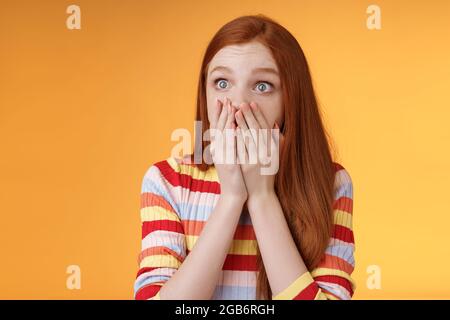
[228, 169]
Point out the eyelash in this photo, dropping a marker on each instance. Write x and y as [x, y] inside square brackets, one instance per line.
[269, 83]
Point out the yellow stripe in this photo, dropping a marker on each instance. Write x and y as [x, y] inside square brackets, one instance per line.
[173, 164]
[320, 295]
[329, 296]
[156, 296]
[295, 287]
[194, 172]
[243, 247]
[153, 213]
[343, 218]
[333, 272]
[160, 261]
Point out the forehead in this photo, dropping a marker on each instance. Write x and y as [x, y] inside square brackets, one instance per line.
[249, 55]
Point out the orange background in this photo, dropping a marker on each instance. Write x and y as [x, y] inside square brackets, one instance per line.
[84, 113]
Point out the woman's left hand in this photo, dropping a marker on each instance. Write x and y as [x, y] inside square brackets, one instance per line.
[259, 152]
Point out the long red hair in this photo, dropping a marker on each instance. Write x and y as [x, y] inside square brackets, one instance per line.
[305, 179]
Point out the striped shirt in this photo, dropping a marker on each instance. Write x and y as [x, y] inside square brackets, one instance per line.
[176, 200]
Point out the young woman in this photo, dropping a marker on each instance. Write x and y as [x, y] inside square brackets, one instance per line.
[226, 231]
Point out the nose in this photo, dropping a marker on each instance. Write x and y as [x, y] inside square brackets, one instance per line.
[238, 96]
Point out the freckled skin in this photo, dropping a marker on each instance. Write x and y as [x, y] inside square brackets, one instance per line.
[241, 85]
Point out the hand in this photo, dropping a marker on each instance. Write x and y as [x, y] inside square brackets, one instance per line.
[223, 145]
[254, 152]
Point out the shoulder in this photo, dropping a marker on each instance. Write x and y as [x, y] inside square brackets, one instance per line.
[179, 171]
[160, 185]
[167, 168]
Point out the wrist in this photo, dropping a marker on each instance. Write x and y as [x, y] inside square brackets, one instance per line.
[261, 198]
[233, 199]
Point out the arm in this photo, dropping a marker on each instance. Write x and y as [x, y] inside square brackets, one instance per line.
[286, 271]
[166, 272]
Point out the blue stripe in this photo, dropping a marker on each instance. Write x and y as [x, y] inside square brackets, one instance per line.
[342, 251]
[234, 293]
[193, 212]
[178, 247]
[150, 185]
[148, 280]
[334, 289]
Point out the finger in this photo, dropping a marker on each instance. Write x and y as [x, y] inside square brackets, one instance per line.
[216, 112]
[240, 120]
[249, 144]
[230, 144]
[249, 117]
[231, 116]
[223, 115]
[230, 139]
[240, 146]
[262, 121]
[248, 136]
[251, 121]
[234, 110]
[216, 133]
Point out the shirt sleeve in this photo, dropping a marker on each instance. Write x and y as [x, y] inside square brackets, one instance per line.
[331, 279]
[163, 244]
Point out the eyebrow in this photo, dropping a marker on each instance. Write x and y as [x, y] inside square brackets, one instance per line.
[226, 69]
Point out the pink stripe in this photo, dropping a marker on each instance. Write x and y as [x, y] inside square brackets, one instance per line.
[159, 238]
[237, 278]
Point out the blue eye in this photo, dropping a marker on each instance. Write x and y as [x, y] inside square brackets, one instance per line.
[222, 83]
[263, 85]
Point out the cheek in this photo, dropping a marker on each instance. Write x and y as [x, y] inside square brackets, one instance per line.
[272, 111]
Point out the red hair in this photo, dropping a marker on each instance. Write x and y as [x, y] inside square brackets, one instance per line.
[304, 182]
